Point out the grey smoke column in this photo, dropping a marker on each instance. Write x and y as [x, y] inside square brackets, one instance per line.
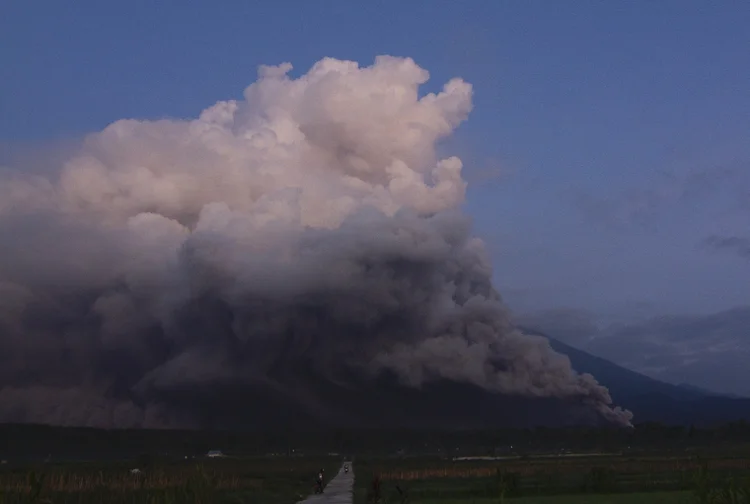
[310, 223]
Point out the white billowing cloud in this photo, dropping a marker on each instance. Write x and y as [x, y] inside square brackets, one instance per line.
[341, 136]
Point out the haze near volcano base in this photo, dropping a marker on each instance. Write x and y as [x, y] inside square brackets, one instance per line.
[309, 230]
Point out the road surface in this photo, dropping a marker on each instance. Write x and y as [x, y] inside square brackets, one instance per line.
[337, 491]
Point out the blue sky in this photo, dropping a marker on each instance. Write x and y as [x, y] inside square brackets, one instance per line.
[607, 142]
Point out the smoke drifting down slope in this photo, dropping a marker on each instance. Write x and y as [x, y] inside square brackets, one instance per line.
[309, 225]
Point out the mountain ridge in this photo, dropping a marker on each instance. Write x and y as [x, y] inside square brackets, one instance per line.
[652, 400]
[309, 399]
[356, 401]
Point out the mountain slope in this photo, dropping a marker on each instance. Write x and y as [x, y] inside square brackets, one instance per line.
[359, 402]
[383, 403]
[704, 391]
[652, 400]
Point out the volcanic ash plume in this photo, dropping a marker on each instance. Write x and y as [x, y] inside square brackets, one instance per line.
[311, 223]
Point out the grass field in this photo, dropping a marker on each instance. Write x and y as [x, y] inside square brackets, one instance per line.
[615, 479]
[601, 480]
[629, 498]
[238, 481]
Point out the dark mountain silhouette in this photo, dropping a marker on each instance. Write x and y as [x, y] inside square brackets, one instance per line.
[383, 403]
[307, 400]
[359, 402]
[653, 400]
[313, 401]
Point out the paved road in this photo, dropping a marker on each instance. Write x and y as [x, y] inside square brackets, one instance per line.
[337, 491]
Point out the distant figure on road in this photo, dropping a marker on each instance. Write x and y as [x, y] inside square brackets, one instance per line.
[319, 481]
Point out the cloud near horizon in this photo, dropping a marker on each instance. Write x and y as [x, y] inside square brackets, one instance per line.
[736, 244]
[642, 206]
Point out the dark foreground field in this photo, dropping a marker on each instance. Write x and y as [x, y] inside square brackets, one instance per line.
[617, 479]
[603, 479]
[257, 481]
[649, 464]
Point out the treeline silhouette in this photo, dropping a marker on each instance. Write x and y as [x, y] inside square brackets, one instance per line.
[23, 441]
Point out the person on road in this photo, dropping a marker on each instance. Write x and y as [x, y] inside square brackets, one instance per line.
[319, 481]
